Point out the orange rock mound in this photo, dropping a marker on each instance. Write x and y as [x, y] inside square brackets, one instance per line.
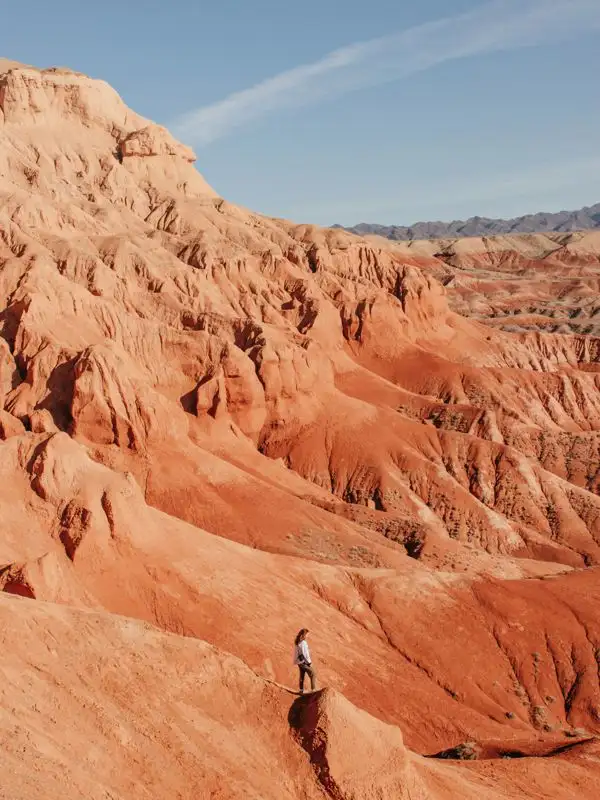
[216, 428]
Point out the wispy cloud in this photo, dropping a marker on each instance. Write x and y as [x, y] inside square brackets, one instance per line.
[495, 26]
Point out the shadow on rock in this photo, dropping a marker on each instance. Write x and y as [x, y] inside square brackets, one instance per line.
[303, 712]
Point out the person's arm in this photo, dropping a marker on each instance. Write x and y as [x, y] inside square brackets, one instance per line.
[305, 651]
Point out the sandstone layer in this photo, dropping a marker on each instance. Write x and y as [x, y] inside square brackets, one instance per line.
[217, 428]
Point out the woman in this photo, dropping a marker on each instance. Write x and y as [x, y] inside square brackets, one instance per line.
[302, 660]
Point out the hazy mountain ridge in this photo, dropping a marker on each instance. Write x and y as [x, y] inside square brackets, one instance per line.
[587, 218]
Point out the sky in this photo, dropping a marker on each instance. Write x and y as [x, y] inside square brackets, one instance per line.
[343, 112]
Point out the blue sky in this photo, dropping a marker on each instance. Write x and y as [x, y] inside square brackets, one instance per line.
[351, 111]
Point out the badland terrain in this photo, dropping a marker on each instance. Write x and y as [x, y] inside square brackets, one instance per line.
[217, 428]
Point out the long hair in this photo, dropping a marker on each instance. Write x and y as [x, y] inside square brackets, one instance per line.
[300, 635]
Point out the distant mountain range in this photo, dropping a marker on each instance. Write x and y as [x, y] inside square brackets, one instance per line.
[583, 219]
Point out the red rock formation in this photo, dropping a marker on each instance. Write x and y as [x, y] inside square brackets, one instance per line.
[230, 427]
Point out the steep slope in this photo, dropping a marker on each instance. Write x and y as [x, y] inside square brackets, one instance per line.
[85, 537]
[96, 706]
[229, 427]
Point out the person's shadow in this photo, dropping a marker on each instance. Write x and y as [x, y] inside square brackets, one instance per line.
[296, 712]
[304, 713]
[303, 718]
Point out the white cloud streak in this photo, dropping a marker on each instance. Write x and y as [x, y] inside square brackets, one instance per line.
[496, 26]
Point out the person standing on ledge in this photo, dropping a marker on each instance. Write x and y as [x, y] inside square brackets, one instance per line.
[302, 660]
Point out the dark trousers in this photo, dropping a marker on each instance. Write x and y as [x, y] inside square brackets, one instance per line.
[310, 671]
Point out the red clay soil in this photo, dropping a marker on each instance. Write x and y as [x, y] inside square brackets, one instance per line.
[217, 428]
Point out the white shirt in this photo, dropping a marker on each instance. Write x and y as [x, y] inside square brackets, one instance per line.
[302, 653]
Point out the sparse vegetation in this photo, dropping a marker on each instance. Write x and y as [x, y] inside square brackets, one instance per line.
[538, 717]
[576, 733]
[467, 751]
